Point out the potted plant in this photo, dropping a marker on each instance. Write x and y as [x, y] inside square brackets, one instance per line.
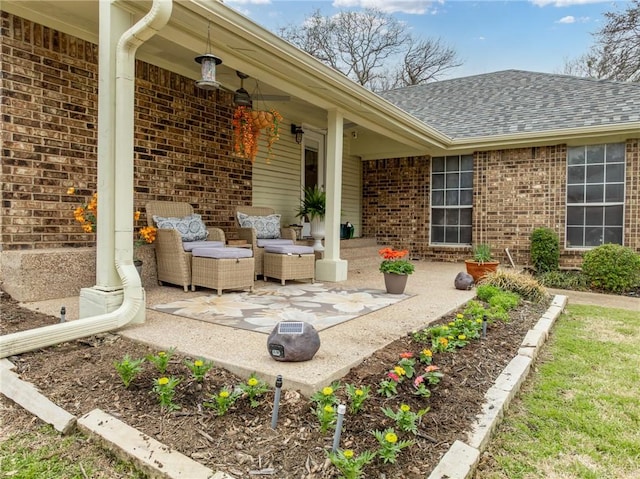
[312, 207]
[482, 262]
[396, 269]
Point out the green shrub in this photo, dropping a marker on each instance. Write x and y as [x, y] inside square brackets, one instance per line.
[545, 250]
[505, 300]
[612, 267]
[485, 292]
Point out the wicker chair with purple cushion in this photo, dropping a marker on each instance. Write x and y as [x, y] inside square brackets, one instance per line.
[251, 234]
[172, 258]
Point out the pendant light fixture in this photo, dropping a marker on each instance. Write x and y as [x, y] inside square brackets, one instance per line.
[241, 96]
[209, 62]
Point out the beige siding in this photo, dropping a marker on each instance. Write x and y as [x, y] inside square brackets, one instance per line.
[351, 190]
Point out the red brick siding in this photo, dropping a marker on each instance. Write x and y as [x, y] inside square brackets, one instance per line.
[49, 135]
[515, 191]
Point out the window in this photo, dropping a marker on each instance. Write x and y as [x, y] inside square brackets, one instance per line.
[451, 199]
[595, 195]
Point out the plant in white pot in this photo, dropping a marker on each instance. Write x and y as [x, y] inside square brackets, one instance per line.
[312, 206]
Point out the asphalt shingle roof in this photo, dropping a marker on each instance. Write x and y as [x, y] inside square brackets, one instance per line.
[515, 101]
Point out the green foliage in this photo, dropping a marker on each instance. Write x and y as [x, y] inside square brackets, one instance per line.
[350, 465]
[165, 388]
[545, 250]
[482, 253]
[574, 280]
[223, 400]
[254, 389]
[528, 287]
[405, 418]
[484, 292]
[505, 300]
[390, 446]
[128, 369]
[612, 267]
[397, 266]
[313, 204]
[161, 359]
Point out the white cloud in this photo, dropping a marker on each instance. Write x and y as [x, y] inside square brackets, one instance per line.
[565, 3]
[572, 19]
[415, 7]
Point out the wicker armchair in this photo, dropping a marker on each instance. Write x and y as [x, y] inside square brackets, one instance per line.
[173, 262]
[250, 235]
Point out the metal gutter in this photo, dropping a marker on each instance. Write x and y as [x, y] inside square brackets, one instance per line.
[134, 299]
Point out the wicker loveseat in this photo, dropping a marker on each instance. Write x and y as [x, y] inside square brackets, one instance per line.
[173, 256]
[251, 235]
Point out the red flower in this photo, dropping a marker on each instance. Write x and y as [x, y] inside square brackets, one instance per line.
[390, 253]
[394, 376]
[407, 355]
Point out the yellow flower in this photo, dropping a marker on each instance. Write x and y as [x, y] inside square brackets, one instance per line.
[459, 316]
[359, 392]
[252, 382]
[348, 454]
[162, 381]
[462, 337]
[327, 391]
[405, 407]
[162, 354]
[71, 191]
[478, 321]
[444, 328]
[198, 363]
[136, 216]
[427, 352]
[391, 438]
[443, 341]
[328, 408]
[452, 323]
[399, 370]
[224, 394]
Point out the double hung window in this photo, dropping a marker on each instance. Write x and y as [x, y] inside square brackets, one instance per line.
[451, 199]
[595, 195]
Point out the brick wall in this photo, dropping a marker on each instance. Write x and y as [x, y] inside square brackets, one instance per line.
[515, 191]
[49, 136]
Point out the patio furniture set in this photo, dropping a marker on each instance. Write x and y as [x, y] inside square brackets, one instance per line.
[190, 254]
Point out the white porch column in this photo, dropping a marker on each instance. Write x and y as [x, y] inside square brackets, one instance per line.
[107, 294]
[332, 268]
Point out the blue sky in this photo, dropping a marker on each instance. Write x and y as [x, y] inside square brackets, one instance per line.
[535, 35]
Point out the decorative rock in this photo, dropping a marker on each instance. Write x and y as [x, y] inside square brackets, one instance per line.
[285, 345]
[463, 281]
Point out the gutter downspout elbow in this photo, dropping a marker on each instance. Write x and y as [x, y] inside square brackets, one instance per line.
[134, 298]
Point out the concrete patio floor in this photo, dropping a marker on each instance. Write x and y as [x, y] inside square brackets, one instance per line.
[342, 347]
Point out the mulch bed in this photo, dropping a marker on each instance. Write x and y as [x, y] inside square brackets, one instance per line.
[80, 376]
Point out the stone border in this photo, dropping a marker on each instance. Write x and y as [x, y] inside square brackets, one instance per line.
[159, 461]
[462, 458]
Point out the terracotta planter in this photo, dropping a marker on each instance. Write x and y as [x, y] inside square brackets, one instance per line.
[478, 270]
[395, 283]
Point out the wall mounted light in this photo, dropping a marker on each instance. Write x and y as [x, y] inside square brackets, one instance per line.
[209, 62]
[298, 132]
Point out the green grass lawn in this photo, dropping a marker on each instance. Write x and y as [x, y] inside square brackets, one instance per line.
[578, 416]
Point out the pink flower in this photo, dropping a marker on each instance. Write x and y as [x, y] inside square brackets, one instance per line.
[393, 376]
[407, 355]
[418, 381]
[431, 368]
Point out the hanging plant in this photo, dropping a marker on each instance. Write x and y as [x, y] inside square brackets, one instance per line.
[246, 130]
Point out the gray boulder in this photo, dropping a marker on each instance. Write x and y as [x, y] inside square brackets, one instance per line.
[293, 341]
[463, 281]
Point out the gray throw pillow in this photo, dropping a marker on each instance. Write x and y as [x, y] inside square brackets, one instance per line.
[267, 227]
[191, 228]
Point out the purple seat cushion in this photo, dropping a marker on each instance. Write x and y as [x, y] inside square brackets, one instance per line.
[289, 249]
[222, 253]
[262, 243]
[191, 245]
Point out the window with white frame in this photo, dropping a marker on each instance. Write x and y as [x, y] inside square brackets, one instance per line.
[595, 195]
[451, 199]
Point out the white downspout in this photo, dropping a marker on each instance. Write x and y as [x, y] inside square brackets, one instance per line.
[24, 341]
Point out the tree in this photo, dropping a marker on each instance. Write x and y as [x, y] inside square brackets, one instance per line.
[616, 54]
[372, 48]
